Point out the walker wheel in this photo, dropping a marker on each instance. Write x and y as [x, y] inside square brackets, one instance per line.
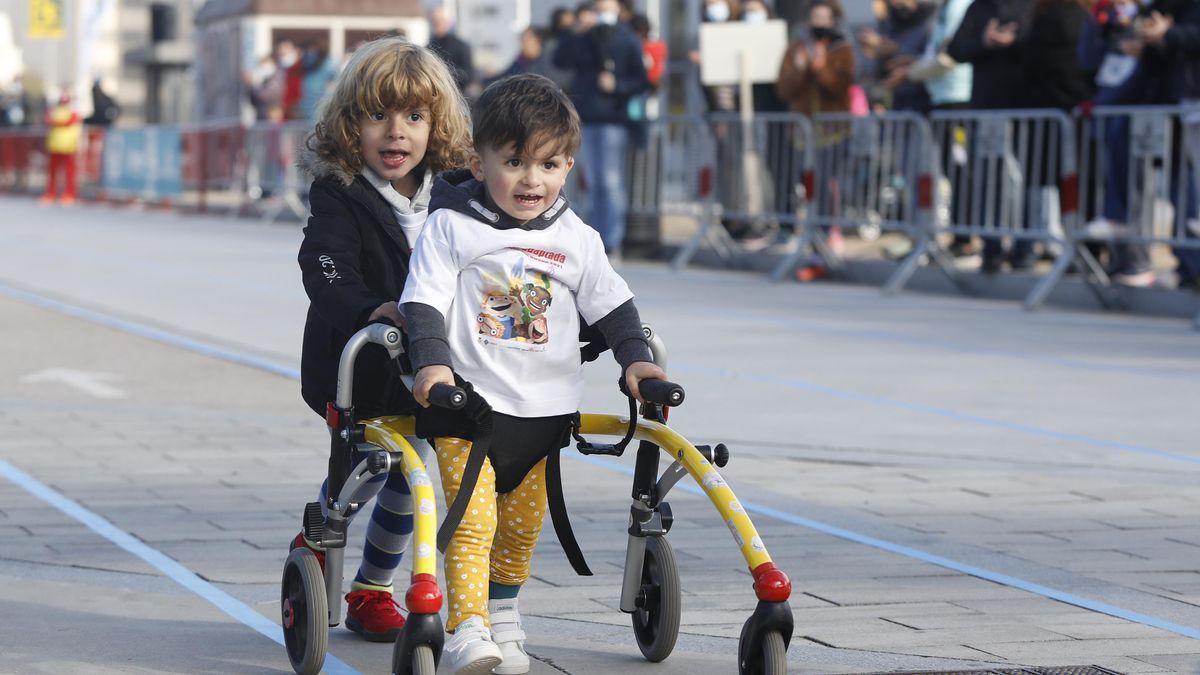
[422, 662]
[772, 652]
[656, 620]
[305, 612]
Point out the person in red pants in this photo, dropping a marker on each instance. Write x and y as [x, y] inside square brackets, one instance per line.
[62, 143]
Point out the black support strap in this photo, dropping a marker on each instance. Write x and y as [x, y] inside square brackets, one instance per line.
[478, 410]
[558, 515]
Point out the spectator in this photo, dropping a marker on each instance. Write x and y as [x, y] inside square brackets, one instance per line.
[104, 109]
[763, 93]
[293, 82]
[608, 72]
[948, 84]
[654, 51]
[62, 142]
[1054, 78]
[895, 47]
[1171, 34]
[720, 98]
[585, 17]
[264, 86]
[562, 22]
[816, 76]
[991, 38]
[1109, 47]
[530, 59]
[818, 69]
[455, 52]
[317, 73]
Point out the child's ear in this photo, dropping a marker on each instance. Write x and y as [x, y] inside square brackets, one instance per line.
[475, 163]
[570, 163]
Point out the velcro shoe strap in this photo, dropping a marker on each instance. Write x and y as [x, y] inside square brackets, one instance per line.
[510, 635]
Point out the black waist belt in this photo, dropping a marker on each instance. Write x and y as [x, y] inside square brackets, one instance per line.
[513, 454]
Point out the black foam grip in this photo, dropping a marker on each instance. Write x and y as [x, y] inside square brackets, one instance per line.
[661, 392]
[447, 396]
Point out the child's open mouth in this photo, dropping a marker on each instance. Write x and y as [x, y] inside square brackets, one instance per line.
[393, 159]
[529, 200]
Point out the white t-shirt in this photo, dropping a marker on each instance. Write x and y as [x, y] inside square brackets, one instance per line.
[410, 213]
[512, 300]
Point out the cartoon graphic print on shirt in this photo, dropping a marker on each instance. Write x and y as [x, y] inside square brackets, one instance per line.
[513, 308]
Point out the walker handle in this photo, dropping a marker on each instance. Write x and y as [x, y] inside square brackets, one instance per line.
[661, 392]
[447, 396]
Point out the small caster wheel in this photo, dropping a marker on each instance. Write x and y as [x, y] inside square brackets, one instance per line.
[305, 612]
[656, 620]
[422, 662]
[772, 654]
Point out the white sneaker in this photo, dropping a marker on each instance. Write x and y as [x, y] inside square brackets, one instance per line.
[1103, 228]
[508, 636]
[470, 650]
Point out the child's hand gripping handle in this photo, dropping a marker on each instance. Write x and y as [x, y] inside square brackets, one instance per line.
[447, 396]
[661, 392]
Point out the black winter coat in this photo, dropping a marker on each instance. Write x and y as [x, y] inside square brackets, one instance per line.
[1176, 63]
[999, 76]
[1054, 76]
[354, 257]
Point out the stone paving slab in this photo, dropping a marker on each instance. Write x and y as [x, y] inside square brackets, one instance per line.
[865, 430]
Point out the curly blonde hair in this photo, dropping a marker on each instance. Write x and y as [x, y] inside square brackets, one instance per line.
[392, 74]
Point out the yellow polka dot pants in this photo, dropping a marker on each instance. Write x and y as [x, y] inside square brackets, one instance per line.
[497, 535]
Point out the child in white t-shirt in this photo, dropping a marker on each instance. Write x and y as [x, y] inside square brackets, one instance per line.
[499, 281]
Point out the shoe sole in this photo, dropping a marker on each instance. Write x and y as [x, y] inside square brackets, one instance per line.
[482, 666]
[357, 627]
[501, 670]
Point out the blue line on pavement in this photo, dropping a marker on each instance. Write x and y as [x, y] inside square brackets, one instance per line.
[160, 561]
[832, 530]
[805, 385]
[923, 556]
[149, 332]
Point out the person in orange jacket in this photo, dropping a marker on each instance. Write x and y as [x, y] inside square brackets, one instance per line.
[62, 143]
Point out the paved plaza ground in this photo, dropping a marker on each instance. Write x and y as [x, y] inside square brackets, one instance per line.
[950, 483]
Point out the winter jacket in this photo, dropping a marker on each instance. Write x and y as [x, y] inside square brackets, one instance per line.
[1053, 74]
[1178, 58]
[825, 90]
[998, 78]
[1121, 82]
[354, 257]
[604, 48]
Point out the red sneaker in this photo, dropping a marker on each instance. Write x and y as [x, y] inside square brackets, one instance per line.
[373, 615]
[300, 542]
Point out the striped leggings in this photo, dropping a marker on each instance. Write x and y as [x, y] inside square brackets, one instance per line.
[390, 528]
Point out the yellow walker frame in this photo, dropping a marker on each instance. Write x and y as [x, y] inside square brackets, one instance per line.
[650, 589]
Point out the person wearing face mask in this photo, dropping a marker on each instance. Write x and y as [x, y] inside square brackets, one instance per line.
[818, 68]
[608, 71]
[816, 76]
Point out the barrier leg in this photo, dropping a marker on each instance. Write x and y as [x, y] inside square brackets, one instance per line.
[792, 260]
[1042, 290]
[1097, 279]
[907, 268]
[711, 232]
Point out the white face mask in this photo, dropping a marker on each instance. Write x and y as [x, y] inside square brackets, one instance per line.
[755, 16]
[608, 18]
[717, 12]
[288, 59]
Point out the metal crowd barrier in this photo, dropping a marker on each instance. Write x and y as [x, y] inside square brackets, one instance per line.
[1143, 187]
[873, 173]
[270, 174]
[222, 165]
[748, 176]
[1012, 174]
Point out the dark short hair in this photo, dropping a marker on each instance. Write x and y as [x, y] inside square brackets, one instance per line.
[528, 111]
